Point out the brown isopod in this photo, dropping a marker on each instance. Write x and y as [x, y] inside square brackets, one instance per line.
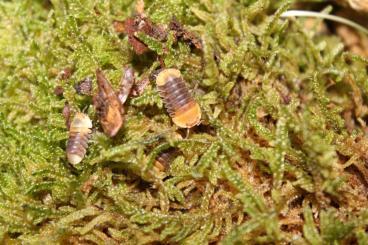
[79, 133]
[164, 159]
[183, 109]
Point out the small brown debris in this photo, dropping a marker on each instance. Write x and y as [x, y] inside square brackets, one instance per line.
[87, 186]
[66, 73]
[352, 40]
[285, 98]
[118, 26]
[139, 47]
[58, 91]
[53, 72]
[84, 87]
[284, 93]
[360, 110]
[162, 61]
[130, 28]
[97, 11]
[139, 7]
[146, 26]
[153, 76]
[108, 107]
[66, 114]
[126, 84]
[182, 33]
[139, 86]
[139, 23]
[349, 121]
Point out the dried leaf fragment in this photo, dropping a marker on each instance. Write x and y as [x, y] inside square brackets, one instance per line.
[139, 7]
[59, 91]
[130, 28]
[139, 23]
[66, 114]
[145, 25]
[108, 108]
[126, 84]
[182, 33]
[118, 26]
[88, 185]
[84, 87]
[139, 86]
[65, 73]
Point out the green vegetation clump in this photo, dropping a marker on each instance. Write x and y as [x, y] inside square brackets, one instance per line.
[280, 156]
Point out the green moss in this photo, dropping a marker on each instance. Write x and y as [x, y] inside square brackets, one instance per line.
[269, 164]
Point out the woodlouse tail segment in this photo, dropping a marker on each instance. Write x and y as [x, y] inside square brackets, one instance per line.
[189, 116]
[77, 147]
[180, 104]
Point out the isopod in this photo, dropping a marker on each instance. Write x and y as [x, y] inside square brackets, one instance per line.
[79, 134]
[164, 159]
[181, 106]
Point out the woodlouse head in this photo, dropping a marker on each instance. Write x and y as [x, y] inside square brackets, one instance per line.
[81, 120]
[167, 74]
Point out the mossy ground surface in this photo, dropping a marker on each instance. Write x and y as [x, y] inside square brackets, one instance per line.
[280, 156]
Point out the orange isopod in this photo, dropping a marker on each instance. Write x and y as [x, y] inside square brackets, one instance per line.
[183, 109]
